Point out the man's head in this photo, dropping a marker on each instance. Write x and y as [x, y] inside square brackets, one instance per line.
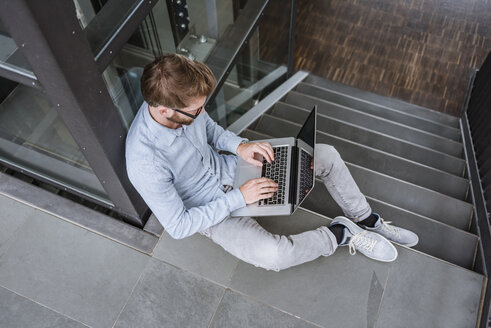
[174, 82]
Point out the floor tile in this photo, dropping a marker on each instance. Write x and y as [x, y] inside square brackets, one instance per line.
[17, 311]
[425, 292]
[335, 291]
[199, 255]
[237, 311]
[78, 214]
[71, 270]
[12, 217]
[169, 297]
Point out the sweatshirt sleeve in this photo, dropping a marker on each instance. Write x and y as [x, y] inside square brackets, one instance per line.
[158, 191]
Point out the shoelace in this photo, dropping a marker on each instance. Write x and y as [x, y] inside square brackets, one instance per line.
[361, 241]
[386, 225]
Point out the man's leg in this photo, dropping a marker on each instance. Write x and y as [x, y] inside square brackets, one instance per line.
[245, 239]
[333, 171]
[338, 180]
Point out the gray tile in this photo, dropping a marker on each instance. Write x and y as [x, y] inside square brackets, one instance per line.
[239, 311]
[19, 312]
[153, 226]
[425, 292]
[12, 217]
[169, 297]
[71, 270]
[199, 255]
[335, 291]
[78, 214]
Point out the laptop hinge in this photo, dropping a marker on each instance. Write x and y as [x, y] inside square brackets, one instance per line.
[294, 176]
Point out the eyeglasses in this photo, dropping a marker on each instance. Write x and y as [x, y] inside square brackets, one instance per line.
[190, 115]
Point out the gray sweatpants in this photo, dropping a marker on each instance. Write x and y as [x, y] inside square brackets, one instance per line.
[244, 238]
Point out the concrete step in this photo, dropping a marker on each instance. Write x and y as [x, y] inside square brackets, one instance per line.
[392, 103]
[377, 140]
[409, 196]
[436, 238]
[374, 159]
[377, 123]
[381, 111]
[416, 290]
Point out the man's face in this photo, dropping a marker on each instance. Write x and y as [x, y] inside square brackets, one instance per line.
[192, 109]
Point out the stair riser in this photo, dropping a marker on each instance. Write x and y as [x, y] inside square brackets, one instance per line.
[380, 125]
[384, 143]
[397, 167]
[439, 240]
[413, 198]
[418, 123]
[431, 115]
[396, 116]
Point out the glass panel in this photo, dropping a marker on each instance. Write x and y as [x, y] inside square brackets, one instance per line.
[122, 76]
[261, 66]
[34, 138]
[11, 56]
[258, 69]
[205, 24]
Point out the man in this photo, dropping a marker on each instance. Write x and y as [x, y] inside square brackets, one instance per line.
[172, 160]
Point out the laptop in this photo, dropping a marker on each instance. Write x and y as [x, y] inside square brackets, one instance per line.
[291, 169]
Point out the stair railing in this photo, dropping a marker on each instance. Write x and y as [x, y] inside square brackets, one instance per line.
[231, 52]
[476, 134]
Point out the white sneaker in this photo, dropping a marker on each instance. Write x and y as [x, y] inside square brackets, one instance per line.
[370, 244]
[398, 235]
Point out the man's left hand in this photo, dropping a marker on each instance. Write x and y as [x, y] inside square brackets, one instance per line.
[247, 151]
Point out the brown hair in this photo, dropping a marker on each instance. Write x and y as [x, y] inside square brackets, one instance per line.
[174, 81]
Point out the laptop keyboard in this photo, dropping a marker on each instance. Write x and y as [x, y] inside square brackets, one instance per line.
[306, 175]
[276, 171]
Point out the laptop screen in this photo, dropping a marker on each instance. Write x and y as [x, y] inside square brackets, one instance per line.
[307, 132]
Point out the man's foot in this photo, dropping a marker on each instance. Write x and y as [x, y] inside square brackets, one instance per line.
[368, 243]
[398, 235]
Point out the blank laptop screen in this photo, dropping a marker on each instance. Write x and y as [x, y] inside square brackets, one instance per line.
[307, 133]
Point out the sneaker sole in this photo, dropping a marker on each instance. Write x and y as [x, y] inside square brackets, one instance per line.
[406, 245]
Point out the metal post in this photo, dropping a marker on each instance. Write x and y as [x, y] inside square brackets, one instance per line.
[61, 58]
[211, 15]
[291, 38]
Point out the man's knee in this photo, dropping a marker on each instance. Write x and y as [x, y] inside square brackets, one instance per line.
[267, 257]
[325, 158]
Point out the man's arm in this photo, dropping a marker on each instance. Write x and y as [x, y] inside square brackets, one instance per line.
[219, 138]
[158, 191]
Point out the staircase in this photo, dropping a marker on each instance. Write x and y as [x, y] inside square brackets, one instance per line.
[409, 161]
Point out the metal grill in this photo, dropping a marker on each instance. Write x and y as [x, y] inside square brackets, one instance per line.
[479, 116]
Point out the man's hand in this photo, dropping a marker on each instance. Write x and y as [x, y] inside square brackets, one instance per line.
[247, 151]
[256, 189]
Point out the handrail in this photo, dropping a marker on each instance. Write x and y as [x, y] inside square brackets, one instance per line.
[476, 134]
[245, 120]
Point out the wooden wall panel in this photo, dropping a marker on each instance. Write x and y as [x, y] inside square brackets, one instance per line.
[419, 51]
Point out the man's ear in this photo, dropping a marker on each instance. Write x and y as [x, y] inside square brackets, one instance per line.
[163, 110]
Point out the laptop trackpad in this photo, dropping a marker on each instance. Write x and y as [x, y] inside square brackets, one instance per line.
[247, 172]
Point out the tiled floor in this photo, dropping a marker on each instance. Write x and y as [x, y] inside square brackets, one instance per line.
[57, 274]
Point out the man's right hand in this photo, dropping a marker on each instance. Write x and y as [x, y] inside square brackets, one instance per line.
[256, 189]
